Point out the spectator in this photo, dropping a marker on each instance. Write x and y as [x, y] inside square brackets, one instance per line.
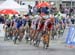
[72, 20]
[30, 9]
[2, 19]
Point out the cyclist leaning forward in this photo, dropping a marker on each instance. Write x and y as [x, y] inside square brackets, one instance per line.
[18, 29]
[48, 26]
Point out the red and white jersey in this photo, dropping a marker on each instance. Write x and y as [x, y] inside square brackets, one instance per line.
[46, 23]
[40, 25]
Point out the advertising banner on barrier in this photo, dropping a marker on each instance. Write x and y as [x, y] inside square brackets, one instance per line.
[70, 40]
[2, 32]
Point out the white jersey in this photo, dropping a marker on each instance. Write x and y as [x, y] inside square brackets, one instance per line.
[33, 24]
[39, 24]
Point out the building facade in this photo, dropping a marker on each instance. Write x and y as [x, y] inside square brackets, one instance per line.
[69, 3]
[65, 3]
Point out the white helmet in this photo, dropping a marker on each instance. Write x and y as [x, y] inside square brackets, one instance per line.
[2, 14]
[35, 16]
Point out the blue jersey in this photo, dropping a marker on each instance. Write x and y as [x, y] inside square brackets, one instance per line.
[18, 23]
[64, 20]
[24, 22]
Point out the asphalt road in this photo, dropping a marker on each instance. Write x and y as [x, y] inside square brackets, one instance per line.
[57, 47]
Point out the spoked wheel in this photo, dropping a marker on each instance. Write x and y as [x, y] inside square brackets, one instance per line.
[46, 41]
[27, 38]
[46, 45]
[15, 39]
[6, 36]
[37, 43]
[37, 39]
[15, 35]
